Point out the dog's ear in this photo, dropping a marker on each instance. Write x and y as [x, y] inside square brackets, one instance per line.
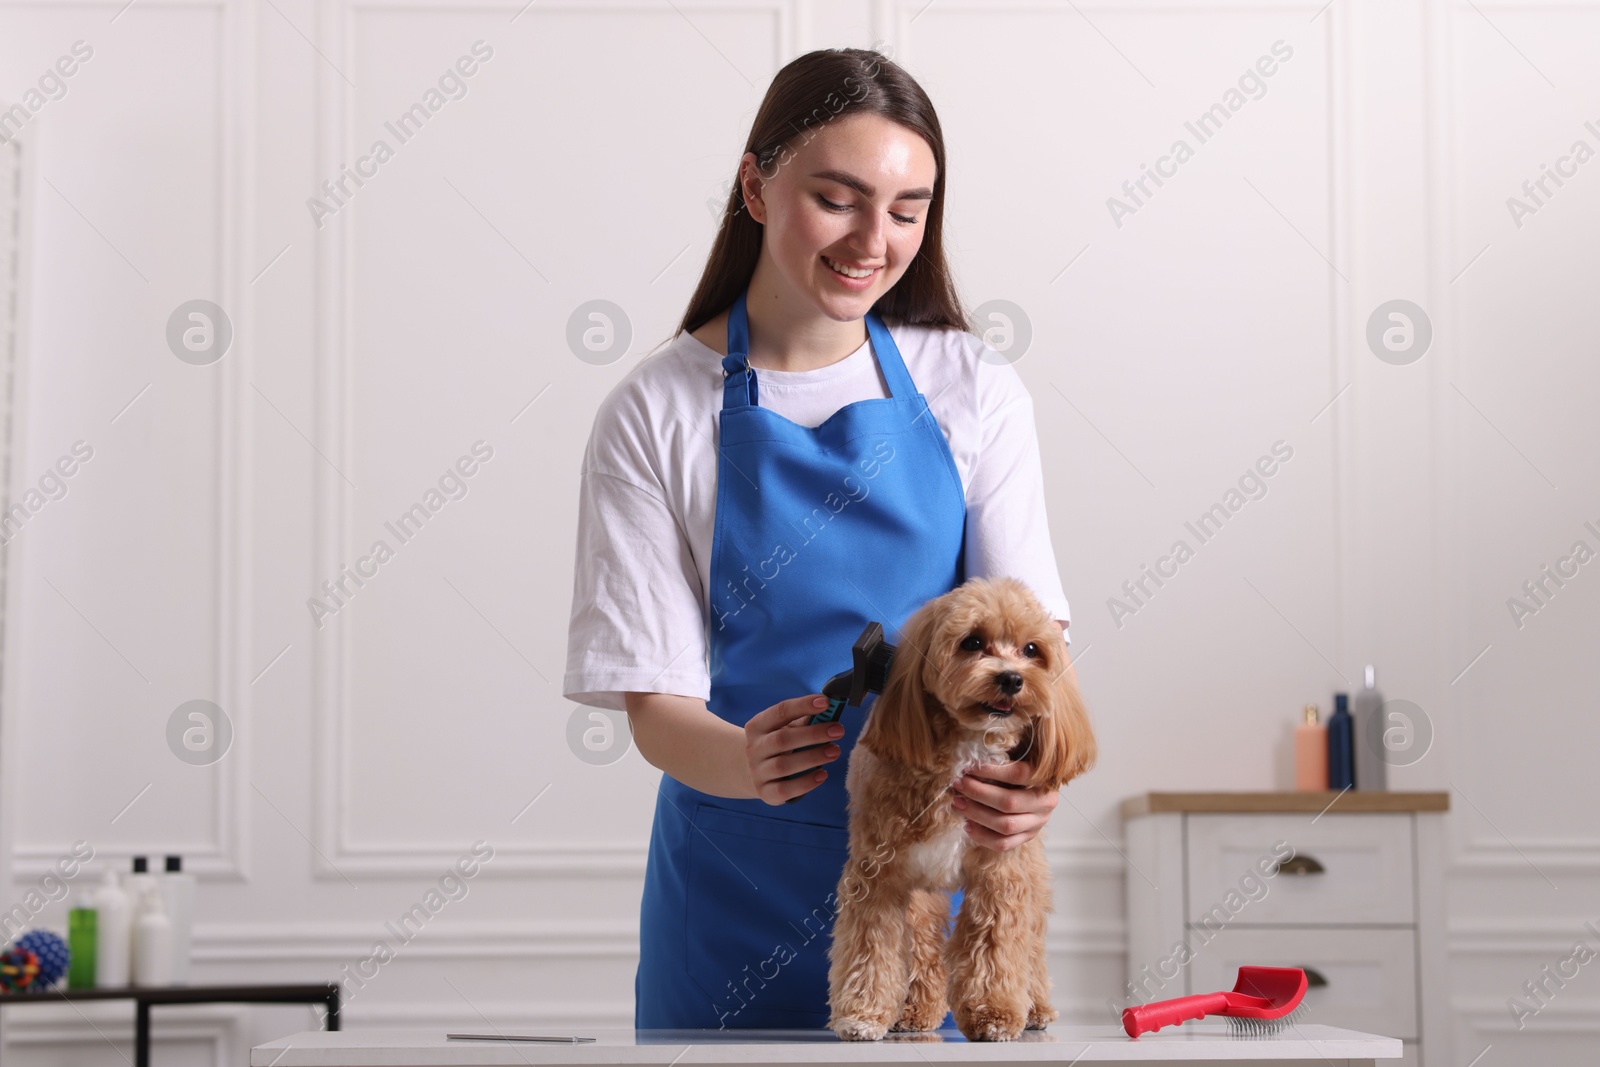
[900, 727]
[1063, 741]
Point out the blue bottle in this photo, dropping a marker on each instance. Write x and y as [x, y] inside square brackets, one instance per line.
[1341, 762]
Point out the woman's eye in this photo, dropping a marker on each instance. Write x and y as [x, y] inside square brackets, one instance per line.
[831, 206]
[1030, 650]
[972, 643]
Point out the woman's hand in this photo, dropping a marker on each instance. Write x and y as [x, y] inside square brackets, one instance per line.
[1002, 812]
[771, 737]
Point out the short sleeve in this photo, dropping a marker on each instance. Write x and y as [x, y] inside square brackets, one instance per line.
[637, 622]
[1008, 531]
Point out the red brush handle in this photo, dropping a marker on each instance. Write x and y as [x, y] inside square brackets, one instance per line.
[1154, 1016]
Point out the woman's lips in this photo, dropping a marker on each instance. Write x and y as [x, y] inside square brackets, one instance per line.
[854, 284]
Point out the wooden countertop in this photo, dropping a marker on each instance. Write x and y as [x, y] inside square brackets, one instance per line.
[1348, 802]
[1081, 1045]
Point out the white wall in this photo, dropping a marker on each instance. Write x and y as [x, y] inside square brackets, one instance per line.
[1168, 353]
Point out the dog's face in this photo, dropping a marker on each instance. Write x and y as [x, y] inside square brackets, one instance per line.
[986, 660]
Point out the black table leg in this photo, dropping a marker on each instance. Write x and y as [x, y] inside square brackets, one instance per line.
[333, 1007]
[141, 1034]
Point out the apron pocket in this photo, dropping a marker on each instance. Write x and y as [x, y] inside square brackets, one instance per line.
[760, 908]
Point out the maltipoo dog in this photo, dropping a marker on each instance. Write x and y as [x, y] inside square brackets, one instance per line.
[979, 675]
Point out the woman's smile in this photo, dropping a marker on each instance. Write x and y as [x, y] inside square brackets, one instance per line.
[852, 277]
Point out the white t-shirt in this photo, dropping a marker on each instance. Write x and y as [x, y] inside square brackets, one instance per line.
[640, 597]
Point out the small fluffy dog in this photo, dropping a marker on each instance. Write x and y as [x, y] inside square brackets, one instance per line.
[979, 675]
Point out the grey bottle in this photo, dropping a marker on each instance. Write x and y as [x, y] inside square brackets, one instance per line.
[1372, 769]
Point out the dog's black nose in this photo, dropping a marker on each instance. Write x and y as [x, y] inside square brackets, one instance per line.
[1009, 682]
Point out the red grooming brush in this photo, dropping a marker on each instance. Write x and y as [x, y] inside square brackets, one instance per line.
[1260, 1003]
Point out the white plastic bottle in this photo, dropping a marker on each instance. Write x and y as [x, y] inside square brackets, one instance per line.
[112, 934]
[178, 889]
[139, 882]
[152, 943]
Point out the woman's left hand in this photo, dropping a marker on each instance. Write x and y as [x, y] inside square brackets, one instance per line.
[1001, 811]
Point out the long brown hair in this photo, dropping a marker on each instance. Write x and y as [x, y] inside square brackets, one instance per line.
[806, 93]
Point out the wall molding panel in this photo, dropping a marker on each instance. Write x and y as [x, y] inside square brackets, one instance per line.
[338, 845]
[226, 857]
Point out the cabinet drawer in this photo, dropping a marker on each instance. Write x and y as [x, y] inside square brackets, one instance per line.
[1357, 869]
[1371, 974]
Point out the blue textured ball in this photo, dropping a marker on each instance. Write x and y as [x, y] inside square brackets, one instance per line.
[54, 956]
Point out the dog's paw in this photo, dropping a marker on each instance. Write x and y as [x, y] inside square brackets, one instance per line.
[984, 1022]
[1041, 1016]
[918, 1019]
[850, 1029]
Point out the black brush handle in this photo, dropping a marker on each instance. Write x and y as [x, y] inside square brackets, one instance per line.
[870, 657]
[832, 713]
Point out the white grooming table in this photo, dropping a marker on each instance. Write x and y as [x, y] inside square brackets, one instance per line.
[1197, 1042]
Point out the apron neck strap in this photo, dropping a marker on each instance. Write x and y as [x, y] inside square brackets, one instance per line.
[895, 375]
[739, 378]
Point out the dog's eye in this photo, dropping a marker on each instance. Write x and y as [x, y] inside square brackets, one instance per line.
[972, 643]
[1030, 650]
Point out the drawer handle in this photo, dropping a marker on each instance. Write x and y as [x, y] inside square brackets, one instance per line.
[1299, 865]
[1314, 978]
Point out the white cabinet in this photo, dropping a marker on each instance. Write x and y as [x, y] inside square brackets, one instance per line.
[1358, 868]
[1348, 887]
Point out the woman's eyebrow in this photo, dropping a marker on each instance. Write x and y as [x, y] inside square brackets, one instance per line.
[846, 178]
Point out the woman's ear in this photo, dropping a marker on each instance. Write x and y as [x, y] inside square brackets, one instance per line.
[1063, 741]
[899, 728]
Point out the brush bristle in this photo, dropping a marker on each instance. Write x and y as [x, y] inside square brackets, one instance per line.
[1264, 1027]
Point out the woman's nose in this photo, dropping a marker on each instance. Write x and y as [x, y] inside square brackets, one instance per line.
[870, 235]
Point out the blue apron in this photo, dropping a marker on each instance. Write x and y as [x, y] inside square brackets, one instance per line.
[817, 532]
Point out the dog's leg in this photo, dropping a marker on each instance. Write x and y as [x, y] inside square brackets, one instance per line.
[1041, 1014]
[1037, 872]
[867, 958]
[925, 1004]
[990, 954]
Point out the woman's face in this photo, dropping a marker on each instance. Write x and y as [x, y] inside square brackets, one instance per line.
[856, 196]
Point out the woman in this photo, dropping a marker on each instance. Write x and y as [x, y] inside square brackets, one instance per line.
[757, 491]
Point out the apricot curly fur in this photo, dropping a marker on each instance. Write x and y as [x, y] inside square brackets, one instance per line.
[942, 711]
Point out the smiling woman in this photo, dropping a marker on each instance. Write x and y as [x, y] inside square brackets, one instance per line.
[851, 211]
[824, 339]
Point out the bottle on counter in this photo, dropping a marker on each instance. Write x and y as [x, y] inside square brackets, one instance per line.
[1311, 753]
[113, 927]
[81, 938]
[1371, 768]
[152, 942]
[178, 890]
[139, 882]
[1341, 770]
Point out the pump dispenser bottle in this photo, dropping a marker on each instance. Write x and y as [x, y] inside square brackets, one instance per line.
[1311, 753]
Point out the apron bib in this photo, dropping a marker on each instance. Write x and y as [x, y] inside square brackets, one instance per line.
[817, 532]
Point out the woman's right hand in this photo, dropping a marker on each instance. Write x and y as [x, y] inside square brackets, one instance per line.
[773, 735]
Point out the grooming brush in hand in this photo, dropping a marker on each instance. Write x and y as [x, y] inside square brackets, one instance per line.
[871, 656]
[1261, 1003]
